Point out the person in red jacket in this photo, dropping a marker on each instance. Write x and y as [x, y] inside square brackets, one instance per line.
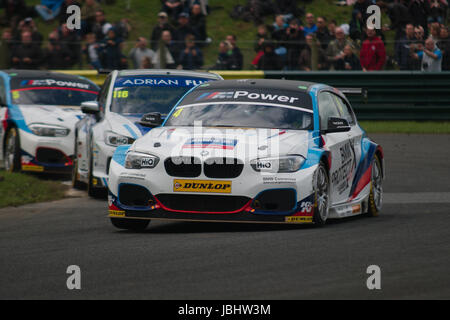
[373, 53]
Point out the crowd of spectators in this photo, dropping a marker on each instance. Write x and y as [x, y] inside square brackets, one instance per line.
[421, 37]
[296, 40]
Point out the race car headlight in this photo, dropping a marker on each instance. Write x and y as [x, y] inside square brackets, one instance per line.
[115, 140]
[45, 130]
[138, 160]
[290, 163]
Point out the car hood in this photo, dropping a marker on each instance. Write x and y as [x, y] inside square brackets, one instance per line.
[53, 115]
[241, 143]
[126, 125]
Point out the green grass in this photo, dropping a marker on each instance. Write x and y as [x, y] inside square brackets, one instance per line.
[18, 189]
[142, 16]
[425, 127]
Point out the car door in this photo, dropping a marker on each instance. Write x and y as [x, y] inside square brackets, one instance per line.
[3, 110]
[354, 135]
[338, 143]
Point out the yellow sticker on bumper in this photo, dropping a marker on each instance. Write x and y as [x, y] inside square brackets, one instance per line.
[298, 219]
[181, 185]
[32, 168]
[116, 213]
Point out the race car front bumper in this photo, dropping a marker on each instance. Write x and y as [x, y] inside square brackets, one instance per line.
[287, 198]
[46, 154]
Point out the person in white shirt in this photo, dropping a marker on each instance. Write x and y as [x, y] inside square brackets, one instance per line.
[140, 52]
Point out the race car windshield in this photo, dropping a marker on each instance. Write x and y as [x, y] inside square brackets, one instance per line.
[52, 96]
[242, 115]
[141, 100]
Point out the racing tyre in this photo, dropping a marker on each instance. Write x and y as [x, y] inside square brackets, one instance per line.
[376, 189]
[130, 224]
[76, 184]
[321, 195]
[12, 151]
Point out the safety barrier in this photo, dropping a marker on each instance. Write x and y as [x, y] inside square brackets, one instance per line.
[396, 95]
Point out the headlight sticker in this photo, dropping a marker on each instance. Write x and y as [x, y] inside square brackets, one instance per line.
[177, 113]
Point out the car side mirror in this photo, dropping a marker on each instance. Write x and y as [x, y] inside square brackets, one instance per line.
[151, 120]
[90, 107]
[337, 125]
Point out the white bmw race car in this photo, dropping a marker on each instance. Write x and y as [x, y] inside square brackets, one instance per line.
[38, 114]
[120, 116]
[266, 151]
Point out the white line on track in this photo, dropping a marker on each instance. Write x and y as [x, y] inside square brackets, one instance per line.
[416, 197]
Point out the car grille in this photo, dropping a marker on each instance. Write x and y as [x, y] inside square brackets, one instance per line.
[202, 203]
[50, 156]
[223, 168]
[191, 167]
[134, 196]
[276, 200]
[186, 167]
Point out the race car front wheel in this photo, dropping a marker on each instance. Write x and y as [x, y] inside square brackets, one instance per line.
[376, 189]
[130, 224]
[321, 195]
[12, 151]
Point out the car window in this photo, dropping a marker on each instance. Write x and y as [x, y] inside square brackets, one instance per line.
[327, 109]
[344, 110]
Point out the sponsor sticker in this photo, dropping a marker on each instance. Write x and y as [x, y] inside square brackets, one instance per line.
[116, 213]
[34, 168]
[298, 219]
[206, 186]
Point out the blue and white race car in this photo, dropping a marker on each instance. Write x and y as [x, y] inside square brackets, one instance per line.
[265, 151]
[120, 115]
[38, 114]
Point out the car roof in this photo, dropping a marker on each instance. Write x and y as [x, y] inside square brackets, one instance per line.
[170, 72]
[43, 73]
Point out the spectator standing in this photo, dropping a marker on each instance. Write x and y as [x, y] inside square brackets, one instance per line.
[332, 28]
[28, 24]
[269, 60]
[349, 62]
[361, 6]
[112, 50]
[26, 55]
[398, 14]
[101, 26]
[56, 55]
[279, 28]
[373, 53]
[173, 8]
[139, 52]
[322, 33]
[419, 11]
[163, 24]
[403, 49]
[335, 50]
[223, 61]
[310, 26]
[438, 10]
[6, 47]
[294, 42]
[444, 45]
[167, 52]
[261, 35]
[198, 23]
[430, 57]
[71, 40]
[89, 11]
[305, 58]
[237, 60]
[92, 51]
[191, 57]
[356, 26]
[184, 28]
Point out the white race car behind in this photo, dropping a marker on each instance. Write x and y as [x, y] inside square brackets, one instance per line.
[117, 117]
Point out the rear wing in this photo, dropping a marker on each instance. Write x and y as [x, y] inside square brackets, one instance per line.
[354, 91]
